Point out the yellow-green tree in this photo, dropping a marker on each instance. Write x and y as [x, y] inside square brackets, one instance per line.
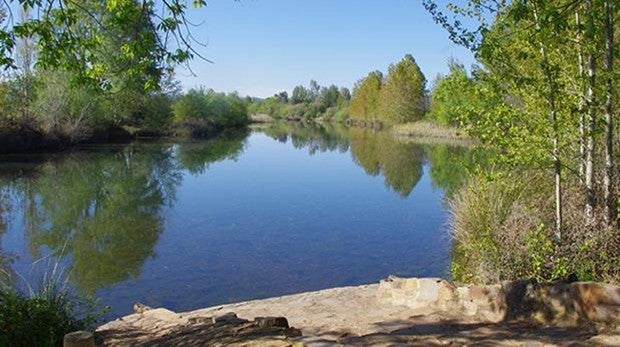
[365, 99]
[402, 96]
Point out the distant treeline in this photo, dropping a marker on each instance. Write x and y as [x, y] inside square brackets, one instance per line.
[315, 102]
[398, 97]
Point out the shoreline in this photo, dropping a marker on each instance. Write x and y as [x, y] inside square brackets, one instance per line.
[412, 311]
[25, 141]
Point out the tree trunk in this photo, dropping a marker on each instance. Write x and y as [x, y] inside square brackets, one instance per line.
[590, 119]
[608, 181]
[582, 100]
[557, 164]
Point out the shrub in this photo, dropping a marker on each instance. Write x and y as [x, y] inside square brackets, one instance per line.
[209, 109]
[42, 318]
[66, 110]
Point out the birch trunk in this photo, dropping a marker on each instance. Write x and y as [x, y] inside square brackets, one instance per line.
[608, 181]
[590, 119]
[557, 164]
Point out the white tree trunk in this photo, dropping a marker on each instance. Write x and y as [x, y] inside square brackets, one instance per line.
[590, 119]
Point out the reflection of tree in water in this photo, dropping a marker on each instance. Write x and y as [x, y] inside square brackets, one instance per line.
[314, 137]
[196, 156]
[376, 152]
[5, 259]
[102, 209]
[449, 166]
[399, 162]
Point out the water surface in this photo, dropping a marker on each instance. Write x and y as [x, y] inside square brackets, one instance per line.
[249, 214]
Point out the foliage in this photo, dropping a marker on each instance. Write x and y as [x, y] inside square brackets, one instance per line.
[543, 99]
[210, 109]
[500, 224]
[63, 110]
[366, 96]
[73, 34]
[44, 316]
[403, 93]
[452, 95]
[398, 98]
[315, 102]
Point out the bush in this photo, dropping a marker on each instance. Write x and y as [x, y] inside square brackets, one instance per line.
[210, 110]
[44, 317]
[65, 110]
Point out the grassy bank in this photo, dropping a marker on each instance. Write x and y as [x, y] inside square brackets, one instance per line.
[428, 129]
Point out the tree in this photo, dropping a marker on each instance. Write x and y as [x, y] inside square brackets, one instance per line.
[452, 94]
[314, 91]
[551, 87]
[403, 95]
[64, 43]
[345, 94]
[609, 184]
[365, 99]
[282, 97]
[328, 97]
[300, 94]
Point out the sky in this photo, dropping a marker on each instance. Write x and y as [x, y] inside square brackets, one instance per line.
[261, 47]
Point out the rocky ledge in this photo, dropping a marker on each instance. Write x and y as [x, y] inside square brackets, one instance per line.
[397, 311]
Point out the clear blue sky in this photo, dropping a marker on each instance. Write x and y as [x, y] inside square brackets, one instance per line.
[260, 47]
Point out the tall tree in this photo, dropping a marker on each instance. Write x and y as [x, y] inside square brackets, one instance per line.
[403, 95]
[365, 99]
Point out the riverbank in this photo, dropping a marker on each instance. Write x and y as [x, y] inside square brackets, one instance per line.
[426, 129]
[419, 312]
[26, 140]
[13, 140]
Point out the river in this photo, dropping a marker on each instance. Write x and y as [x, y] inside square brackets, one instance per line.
[274, 210]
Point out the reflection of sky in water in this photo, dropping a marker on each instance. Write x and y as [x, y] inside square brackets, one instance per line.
[273, 221]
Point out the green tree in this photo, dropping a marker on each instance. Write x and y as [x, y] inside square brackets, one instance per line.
[328, 97]
[68, 41]
[403, 94]
[365, 99]
[204, 111]
[300, 94]
[452, 95]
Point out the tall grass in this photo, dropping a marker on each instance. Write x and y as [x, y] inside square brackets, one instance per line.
[41, 315]
[430, 130]
[503, 230]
